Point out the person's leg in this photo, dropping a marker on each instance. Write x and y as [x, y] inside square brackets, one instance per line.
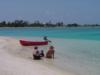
[38, 57]
[34, 57]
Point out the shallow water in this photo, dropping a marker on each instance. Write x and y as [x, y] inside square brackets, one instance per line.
[80, 56]
[77, 50]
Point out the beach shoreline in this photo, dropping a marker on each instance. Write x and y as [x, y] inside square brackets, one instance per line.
[14, 60]
[72, 57]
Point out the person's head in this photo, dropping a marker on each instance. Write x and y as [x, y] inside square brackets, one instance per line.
[51, 47]
[42, 51]
[45, 37]
[35, 47]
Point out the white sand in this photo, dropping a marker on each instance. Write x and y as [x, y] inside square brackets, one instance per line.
[17, 60]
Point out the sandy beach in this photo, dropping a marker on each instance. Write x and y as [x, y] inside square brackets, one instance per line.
[17, 60]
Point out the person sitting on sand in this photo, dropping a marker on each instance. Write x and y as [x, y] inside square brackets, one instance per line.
[36, 53]
[50, 53]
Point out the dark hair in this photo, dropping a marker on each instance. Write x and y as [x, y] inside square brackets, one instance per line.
[45, 37]
[35, 47]
[51, 47]
[42, 51]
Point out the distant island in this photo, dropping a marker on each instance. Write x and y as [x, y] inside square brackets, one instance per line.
[22, 23]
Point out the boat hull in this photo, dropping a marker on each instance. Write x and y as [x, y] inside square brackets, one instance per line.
[32, 43]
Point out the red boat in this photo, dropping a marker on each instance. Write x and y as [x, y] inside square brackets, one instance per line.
[32, 43]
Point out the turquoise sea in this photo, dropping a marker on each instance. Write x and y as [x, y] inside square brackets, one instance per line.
[70, 33]
[79, 50]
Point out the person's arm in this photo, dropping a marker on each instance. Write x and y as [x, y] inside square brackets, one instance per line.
[53, 54]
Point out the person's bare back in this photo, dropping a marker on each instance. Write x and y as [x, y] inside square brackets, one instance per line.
[50, 53]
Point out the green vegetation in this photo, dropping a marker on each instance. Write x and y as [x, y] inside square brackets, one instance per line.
[21, 23]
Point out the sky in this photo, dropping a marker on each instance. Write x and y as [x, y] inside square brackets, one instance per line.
[67, 11]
